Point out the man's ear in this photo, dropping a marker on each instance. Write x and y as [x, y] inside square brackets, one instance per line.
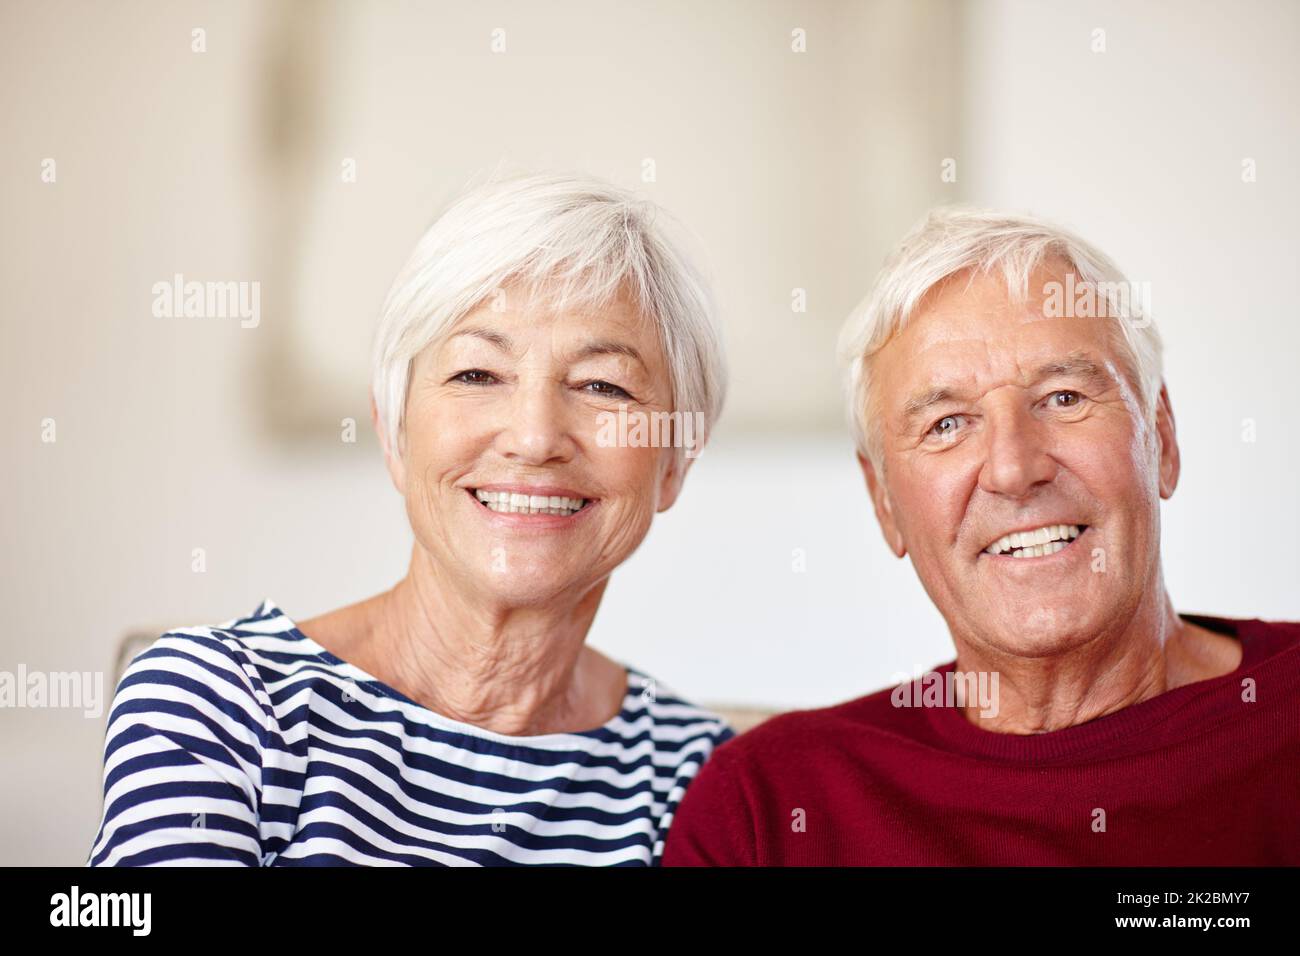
[396, 467]
[884, 508]
[1170, 462]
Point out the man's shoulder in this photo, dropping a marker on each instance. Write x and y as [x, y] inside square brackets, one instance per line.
[1262, 640]
[1229, 624]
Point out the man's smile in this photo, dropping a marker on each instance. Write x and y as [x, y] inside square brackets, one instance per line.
[1044, 541]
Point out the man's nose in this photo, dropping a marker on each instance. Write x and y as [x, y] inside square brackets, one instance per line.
[1017, 455]
[537, 428]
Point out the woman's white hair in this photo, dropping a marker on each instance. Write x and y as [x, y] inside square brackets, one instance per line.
[979, 242]
[565, 240]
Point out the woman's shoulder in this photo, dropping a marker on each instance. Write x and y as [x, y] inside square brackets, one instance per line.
[675, 718]
[198, 687]
[231, 655]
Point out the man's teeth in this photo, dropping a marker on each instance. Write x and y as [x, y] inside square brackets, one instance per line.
[511, 503]
[1037, 543]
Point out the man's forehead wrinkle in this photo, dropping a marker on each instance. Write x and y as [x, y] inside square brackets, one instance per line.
[956, 325]
[943, 387]
[977, 328]
[955, 363]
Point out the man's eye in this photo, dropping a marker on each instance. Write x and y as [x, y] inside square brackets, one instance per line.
[945, 426]
[607, 389]
[474, 376]
[1074, 398]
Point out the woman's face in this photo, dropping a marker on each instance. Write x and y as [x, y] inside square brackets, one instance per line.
[511, 403]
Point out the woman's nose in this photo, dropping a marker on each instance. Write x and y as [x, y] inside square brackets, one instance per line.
[537, 428]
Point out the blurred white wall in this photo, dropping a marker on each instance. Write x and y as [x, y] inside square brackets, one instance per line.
[163, 444]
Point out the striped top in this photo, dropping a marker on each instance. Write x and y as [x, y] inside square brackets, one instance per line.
[249, 744]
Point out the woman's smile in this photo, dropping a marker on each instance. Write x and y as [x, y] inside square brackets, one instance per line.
[539, 507]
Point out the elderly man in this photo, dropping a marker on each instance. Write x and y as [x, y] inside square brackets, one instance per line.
[1016, 438]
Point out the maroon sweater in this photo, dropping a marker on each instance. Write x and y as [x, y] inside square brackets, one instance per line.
[1193, 776]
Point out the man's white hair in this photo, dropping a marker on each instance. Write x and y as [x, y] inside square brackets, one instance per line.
[564, 240]
[980, 242]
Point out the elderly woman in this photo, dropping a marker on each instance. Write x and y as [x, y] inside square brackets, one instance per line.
[460, 717]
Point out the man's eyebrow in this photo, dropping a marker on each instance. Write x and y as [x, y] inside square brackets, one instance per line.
[1076, 363]
[917, 404]
[495, 338]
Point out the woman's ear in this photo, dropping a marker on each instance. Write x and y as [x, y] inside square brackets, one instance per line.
[884, 508]
[671, 476]
[396, 467]
[676, 459]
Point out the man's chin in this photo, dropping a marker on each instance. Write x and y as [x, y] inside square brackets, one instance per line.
[1045, 630]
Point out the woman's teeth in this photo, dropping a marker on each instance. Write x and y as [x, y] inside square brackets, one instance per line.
[509, 502]
[1037, 543]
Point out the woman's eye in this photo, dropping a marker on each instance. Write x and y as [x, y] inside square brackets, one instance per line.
[945, 426]
[474, 376]
[607, 389]
[1075, 399]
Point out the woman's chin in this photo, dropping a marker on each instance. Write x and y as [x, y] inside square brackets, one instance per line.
[529, 589]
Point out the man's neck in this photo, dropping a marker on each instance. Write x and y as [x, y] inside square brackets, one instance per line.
[1154, 653]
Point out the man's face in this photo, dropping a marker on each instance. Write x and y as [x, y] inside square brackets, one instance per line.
[995, 420]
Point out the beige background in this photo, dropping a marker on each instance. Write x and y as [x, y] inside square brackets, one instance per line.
[793, 170]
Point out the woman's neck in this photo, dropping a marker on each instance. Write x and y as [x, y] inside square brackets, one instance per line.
[512, 670]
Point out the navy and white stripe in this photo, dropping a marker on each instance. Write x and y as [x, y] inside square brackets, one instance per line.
[249, 744]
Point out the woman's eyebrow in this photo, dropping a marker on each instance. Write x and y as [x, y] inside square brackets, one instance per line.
[598, 347]
[495, 338]
[608, 347]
